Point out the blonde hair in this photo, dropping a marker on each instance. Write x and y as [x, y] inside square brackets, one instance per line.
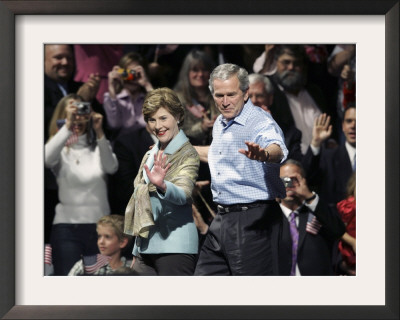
[130, 57]
[60, 112]
[116, 222]
[163, 98]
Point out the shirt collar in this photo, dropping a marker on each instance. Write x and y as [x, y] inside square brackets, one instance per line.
[242, 117]
[350, 150]
[286, 211]
[81, 143]
[172, 147]
[174, 144]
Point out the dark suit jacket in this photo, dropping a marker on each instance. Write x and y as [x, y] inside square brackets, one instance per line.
[328, 172]
[292, 137]
[280, 107]
[129, 149]
[314, 254]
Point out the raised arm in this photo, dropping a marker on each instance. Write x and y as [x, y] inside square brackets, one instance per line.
[108, 159]
[203, 152]
[273, 153]
[322, 130]
[53, 148]
[178, 188]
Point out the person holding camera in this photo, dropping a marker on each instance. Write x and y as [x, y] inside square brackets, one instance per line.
[80, 157]
[307, 229]
[127, 85]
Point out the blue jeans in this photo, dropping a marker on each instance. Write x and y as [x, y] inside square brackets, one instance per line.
[69, 243]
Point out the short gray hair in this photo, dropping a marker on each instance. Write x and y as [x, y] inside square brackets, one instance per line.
[256, 77]
[227, 71]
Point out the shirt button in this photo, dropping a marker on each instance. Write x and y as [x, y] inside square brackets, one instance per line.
[220, 152]
[218, 173]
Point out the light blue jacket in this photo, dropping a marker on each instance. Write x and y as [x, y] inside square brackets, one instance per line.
[174, 230]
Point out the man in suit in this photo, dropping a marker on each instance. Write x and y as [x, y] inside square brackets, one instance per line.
[59, 69]
[296, 102]
[261, 94]
[306, 229]
[329, 169]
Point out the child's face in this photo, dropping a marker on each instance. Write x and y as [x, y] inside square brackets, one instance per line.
[107, 240]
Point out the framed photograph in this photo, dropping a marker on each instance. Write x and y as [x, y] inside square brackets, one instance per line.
[27, 25]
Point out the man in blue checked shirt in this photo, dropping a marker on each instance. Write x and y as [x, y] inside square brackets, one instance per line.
[244, 159]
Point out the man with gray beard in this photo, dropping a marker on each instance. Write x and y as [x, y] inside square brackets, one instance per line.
[296, 103]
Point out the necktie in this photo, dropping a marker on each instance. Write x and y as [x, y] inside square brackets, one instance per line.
[295, 239]
[354, 163]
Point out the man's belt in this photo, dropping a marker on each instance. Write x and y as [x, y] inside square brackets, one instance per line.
[242, 206]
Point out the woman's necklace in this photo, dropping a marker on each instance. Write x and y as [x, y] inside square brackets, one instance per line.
[76, 156]
[77, 160]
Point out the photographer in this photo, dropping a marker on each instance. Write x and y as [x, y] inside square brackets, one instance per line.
[127, 86]
[307, 228]
[80, 156]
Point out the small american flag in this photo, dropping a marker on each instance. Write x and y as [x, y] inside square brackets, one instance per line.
[48, 254]
[95, 262]
[313, 224]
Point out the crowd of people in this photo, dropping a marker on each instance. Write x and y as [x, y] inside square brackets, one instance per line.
[200, 160]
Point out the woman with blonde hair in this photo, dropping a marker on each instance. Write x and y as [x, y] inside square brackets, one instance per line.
[193, 92]
[159, 212]
[80, 157]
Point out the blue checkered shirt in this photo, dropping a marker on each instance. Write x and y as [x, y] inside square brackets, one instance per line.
[234, 177]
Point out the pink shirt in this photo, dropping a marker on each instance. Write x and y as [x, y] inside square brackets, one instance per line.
[93, 58]
[122, 112]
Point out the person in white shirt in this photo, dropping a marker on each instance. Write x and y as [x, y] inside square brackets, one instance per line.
[296, 102]
[80, 157]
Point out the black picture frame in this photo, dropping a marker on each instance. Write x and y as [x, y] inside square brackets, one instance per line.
[8, 11]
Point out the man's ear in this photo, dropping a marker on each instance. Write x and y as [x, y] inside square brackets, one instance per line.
[123, 243]
[246, 95]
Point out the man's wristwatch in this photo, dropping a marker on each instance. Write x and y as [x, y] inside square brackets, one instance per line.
[266, 160]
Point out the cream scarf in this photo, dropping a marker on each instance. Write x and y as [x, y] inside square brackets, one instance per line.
[182, 173]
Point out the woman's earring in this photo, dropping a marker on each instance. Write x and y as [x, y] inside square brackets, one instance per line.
[178, 121]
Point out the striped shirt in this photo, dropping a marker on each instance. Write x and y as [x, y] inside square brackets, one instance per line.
[234, 177]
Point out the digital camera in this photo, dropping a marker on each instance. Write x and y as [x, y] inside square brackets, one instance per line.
[288, 182]
[127, 75]
[83, 108]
